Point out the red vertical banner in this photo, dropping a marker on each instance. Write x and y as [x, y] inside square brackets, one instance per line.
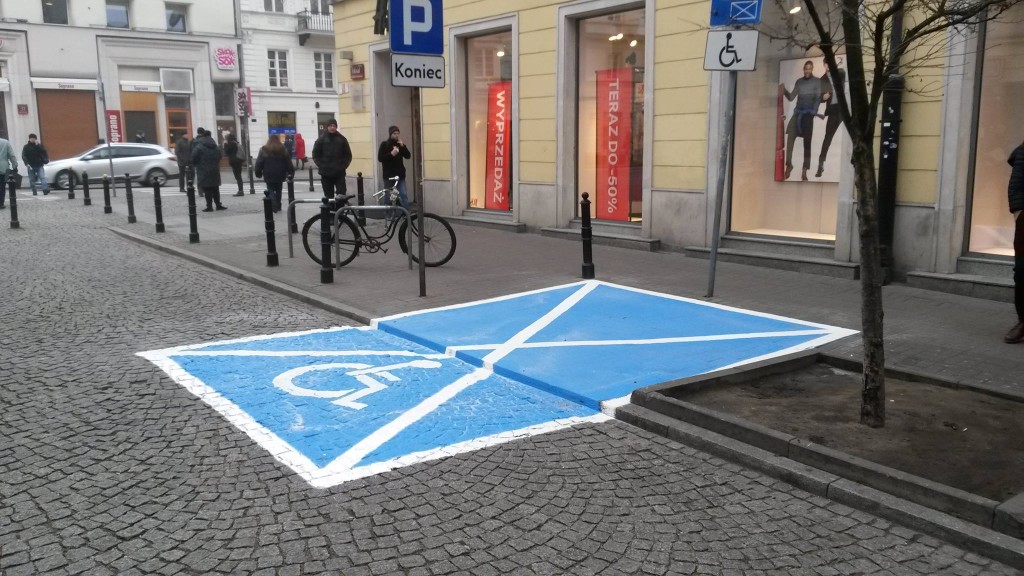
[614, 137]
[115, 130]
[499, 143]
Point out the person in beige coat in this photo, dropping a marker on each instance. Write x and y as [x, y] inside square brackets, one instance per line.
[8, 163]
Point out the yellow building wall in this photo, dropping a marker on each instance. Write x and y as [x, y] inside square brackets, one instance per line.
[680, 98]
[922, 122]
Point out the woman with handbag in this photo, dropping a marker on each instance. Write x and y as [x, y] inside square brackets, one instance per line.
[274, 165]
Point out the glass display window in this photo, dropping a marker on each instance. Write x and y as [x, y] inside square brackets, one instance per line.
[610, 105]
[787, 150]
[1000, 129]
[489, 120]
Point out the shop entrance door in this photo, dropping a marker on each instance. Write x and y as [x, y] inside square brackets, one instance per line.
[397, 106]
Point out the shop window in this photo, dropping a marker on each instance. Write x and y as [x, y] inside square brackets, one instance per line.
[117, 13]
[278, 68]
[320, 6]
[489, 120]
[273, 5]
[55, 11]
[610, 109]
[787, 146]
[323, 70]
[224, 98]
[177, 18]
[1000, 129]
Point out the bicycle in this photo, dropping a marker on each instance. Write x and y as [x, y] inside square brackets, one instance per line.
[438, 236]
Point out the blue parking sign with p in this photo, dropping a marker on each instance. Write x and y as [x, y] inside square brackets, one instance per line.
[417, 26]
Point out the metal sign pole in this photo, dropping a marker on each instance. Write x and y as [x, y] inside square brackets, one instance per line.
[726, 127]
[110, 152]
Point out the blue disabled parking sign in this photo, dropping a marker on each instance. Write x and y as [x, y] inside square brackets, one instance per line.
[735, 12]
[345, 403]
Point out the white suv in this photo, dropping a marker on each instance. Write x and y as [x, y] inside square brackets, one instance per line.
[145, 163]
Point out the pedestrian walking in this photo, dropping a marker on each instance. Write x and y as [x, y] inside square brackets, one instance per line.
[8, 163]
[35, 157]
[390, 155]
[300, 151]
[235, 158]
[274, 166]
[332, 155]
[183, 152]
[1015, 194]
[206, 157]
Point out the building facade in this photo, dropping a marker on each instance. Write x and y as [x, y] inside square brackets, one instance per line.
[546, 100]
[290, 68]
[77, 72]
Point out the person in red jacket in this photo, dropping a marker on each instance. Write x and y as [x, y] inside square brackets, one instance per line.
[300, 151]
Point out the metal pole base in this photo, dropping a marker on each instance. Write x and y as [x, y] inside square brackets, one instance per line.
[193, 238]
[160, 228]
[327, 276]
[588, 271]
[87, 202]
[108, 210]
[131, 220]
[272, 259]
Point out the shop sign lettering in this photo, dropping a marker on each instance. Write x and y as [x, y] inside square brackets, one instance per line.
[225, 58]
[114, 126]
[614, 135]
[498, 146]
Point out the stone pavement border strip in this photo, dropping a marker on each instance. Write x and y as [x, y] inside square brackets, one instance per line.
[261, 281]
[972, 537]
[961, 533]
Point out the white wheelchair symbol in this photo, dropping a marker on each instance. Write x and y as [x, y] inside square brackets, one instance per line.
[365, 374]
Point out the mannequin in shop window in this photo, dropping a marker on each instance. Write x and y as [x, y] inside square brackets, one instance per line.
[808, 94]
[1015, 194]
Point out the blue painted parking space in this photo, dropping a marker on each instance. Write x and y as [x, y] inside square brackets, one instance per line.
[344, 403]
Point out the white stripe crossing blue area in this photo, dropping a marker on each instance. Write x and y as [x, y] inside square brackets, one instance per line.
[344, 403]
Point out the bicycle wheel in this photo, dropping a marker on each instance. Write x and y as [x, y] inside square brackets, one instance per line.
[349, 236]
[438, 239]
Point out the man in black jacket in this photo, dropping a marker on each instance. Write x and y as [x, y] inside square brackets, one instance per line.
[35, 157]
[332, 155]
[183, 152]
[390, 155]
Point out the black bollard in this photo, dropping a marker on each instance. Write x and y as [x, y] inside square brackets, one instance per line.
[326, 270]
[587, 234]
[106, 196]
[268, 215]
[129, 198]
[12, 185]
[71, 187]
[86, 201]
[360, 198]
[311, 189]
[158, 208]
[193, 225]
[293, 227]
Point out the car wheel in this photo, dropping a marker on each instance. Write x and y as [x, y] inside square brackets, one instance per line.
[156, 176]
[63, 179]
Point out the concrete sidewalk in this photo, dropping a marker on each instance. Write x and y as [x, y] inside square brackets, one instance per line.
[952, 337]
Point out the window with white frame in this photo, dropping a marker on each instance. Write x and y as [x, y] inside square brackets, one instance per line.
[323, 70]
[320, 6]
[117, 13]
[176, 18]
[273, 5]
[278, 65]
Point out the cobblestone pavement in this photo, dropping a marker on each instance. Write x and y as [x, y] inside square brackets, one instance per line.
[107, 467]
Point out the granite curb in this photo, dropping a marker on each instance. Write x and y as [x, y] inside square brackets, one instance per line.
[983, 525]
[328, 304]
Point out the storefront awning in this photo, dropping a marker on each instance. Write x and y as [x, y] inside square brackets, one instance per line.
[64, 84]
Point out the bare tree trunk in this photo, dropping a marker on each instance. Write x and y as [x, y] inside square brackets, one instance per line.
[872, 410]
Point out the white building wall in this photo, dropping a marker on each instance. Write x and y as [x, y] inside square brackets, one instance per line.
[263, 31]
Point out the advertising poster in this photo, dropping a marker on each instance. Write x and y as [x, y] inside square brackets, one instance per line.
[807, 133]
[499, 143]
[614, 137]
[115, 130]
